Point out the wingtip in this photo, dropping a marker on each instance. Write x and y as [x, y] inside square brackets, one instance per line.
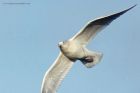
[129, 8]
[135, 5]
[123, 12]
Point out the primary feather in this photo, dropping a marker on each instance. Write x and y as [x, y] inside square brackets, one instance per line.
[95, 26]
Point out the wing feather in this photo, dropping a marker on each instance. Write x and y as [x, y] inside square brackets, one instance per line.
[56, 74]
[95, 26]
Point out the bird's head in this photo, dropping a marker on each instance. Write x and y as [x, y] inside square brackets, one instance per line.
[60, 44]
[63, 45]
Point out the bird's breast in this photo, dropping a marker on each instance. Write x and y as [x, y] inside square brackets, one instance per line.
[72, 51]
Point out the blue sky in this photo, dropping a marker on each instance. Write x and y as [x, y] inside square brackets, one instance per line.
[29, 34]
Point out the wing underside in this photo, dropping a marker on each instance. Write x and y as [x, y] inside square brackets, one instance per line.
[56, 74]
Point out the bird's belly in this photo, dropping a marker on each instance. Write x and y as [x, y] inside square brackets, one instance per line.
[74, 52]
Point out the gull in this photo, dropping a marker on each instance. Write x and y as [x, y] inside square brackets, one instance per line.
[75, 49]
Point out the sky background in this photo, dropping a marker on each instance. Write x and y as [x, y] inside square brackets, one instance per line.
[29, 34]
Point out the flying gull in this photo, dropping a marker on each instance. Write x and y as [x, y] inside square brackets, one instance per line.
[75, 49]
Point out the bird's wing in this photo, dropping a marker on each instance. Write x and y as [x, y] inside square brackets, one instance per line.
[95, 26]
[56, 74]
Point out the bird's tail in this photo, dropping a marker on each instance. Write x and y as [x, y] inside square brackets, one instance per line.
[91, 59]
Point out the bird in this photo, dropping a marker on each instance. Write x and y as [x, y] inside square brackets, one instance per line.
[75, 49]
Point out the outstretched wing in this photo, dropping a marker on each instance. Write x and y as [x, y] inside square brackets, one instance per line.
[95, 26]
[56, 74]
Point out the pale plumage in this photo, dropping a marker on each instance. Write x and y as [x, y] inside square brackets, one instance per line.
[56, 74]
[75, 49]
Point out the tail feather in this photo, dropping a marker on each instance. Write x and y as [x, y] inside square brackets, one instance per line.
[91, 59]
